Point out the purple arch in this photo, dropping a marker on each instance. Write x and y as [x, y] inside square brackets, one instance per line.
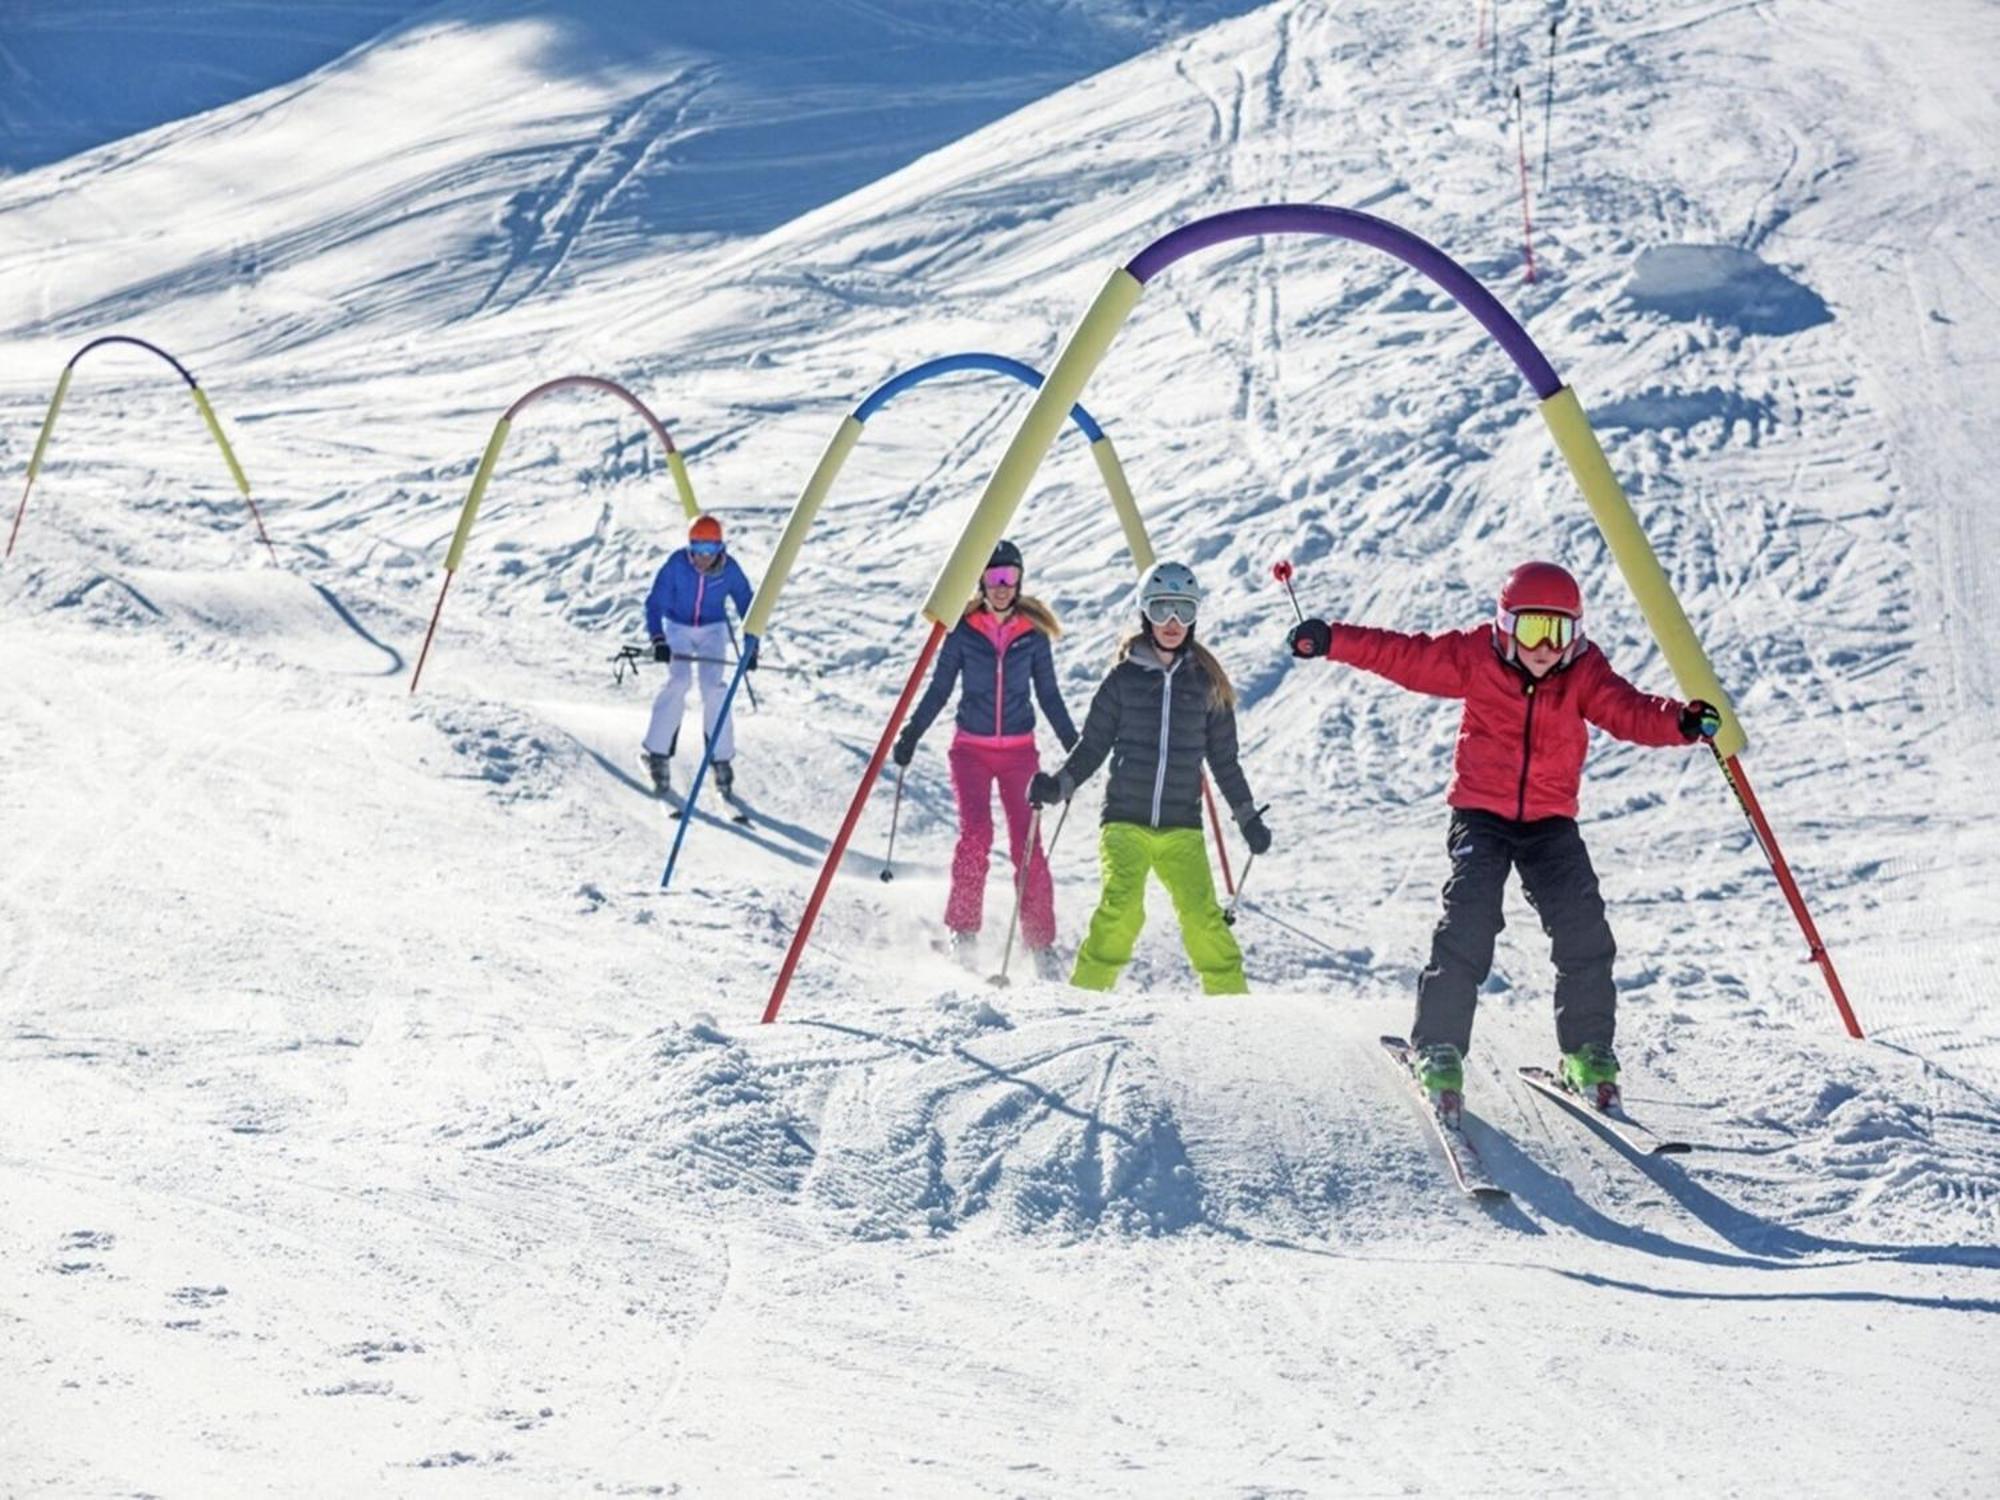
[1348, 224]
[126, 338]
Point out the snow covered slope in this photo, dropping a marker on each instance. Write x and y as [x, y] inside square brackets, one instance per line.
[374, 1125]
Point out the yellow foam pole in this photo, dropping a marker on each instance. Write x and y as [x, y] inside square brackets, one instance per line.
[1642, 570]
[49, 423]
[1120, 491]
[1037, 433]
[679, 468]
[823, 475]
[215, 431]
[471, 508]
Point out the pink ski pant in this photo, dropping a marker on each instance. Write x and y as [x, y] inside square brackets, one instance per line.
[976, 770]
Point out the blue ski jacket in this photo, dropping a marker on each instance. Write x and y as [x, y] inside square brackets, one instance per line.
[685, 595]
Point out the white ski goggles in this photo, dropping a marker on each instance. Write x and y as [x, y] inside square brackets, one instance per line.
[1170, 607]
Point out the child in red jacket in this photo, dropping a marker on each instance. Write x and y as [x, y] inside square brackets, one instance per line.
[1531, 684]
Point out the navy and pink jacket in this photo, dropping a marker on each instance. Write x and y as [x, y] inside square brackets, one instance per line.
[1521, 742]
[994, 662]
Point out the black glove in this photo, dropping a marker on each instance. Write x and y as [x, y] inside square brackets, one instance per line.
[1311, 638]
[905, 749]
[1255, 834]
[1044, 789]
[1700, 721]
[661, 650]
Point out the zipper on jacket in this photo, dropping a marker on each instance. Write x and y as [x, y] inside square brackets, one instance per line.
[700, 592]
[1166, 711]
[999, 688]
[1527, 754]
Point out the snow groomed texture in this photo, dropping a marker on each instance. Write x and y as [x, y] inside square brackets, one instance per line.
[484, 475]
[1627, 540]
[201, 403]
[821, 481]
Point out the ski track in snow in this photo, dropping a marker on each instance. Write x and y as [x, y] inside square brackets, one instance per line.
[371, 1115]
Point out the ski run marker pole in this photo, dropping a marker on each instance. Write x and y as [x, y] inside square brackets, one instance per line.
[1548, 103]
[1521, 150]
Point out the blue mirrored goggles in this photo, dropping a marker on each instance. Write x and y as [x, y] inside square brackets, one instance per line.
[1170, 607]
[705, 549]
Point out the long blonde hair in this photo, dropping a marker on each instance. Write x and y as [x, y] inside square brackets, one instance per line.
[1221, 692]
[1032, 609]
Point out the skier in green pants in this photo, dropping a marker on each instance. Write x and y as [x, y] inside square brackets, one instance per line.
[1165, 708]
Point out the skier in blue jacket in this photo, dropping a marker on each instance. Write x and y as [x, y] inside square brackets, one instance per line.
[685, 618]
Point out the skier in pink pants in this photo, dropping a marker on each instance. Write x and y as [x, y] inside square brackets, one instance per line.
[999, 654]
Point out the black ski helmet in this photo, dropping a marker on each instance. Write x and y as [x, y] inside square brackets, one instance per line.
[1006, 555]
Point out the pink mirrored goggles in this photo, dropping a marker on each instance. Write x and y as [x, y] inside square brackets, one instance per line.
[1001, 578]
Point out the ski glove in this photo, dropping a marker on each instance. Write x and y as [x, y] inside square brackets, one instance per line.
[1044, 789]
[1700, 721]
[1311, 638]
[1255, 834]
[905, 749]
[661, 650]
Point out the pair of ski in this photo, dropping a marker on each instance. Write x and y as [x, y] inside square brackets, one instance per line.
[1447, 1118]
[738, 813]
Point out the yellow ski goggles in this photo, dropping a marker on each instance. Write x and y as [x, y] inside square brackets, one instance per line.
[1535, 627]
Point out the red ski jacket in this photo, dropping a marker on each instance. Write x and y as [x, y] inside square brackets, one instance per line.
[1521, 742]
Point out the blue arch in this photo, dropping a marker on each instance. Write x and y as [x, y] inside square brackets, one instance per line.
[997, 364]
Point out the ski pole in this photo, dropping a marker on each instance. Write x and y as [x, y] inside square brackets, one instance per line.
[1021, 883]
[1229, 911]
[895, 815]
[748, 686]
[637, 655]
[1282, 571]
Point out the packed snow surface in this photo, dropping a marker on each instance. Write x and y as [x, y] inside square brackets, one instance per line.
[373, 1124]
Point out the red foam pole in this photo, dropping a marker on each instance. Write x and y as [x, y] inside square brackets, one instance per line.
[1521, 150]
[1221, 849]
[436, 610]
[21, 511]
[833, 855]
[1816, 949]
[262, 535]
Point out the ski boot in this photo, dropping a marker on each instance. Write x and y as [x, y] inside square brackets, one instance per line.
[1440, 1070]
[725, 777]
[1049, 964]
[963, 947]
[660, 768]
[1591, 1073]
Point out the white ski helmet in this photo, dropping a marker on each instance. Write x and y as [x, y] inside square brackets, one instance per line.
[1169, 580]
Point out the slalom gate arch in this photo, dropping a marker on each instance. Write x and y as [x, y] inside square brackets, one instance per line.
[201, 403]
[483, 476]
[821, 481]
[1559, 407]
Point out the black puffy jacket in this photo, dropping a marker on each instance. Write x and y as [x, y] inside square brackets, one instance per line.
[1158, 723]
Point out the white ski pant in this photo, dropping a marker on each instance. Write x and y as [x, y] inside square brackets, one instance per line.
[710, 642]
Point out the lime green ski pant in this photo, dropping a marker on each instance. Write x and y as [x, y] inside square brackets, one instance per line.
[1180, 858]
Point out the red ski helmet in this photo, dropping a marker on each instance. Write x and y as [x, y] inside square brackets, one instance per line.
[705, 529]
[1539, 588]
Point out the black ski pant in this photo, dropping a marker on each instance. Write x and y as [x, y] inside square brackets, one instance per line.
[1560, 885]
